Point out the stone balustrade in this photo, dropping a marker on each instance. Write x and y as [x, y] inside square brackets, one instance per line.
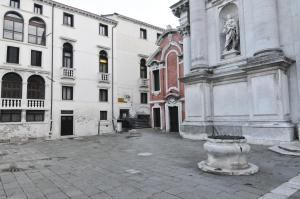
[104, 77]
[68, 73]
[10, 103]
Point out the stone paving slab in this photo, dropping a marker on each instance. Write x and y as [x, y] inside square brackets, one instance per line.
[112, 167]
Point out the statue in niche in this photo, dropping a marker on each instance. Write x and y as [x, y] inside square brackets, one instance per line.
[231, 30]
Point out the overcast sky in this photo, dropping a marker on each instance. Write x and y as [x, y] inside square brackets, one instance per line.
[156, 12]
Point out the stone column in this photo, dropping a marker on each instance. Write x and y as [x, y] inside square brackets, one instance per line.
[186, 50]
[266, 31]
[198, 35]
[24, 95]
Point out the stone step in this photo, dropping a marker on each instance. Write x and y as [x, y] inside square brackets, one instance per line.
[292, 149]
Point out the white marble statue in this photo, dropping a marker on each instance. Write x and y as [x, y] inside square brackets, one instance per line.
[231, 29]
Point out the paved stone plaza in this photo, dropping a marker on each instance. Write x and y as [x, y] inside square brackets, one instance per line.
[149, 165]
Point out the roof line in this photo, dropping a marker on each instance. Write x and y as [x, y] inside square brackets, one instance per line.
[80, 11]
[135, 21]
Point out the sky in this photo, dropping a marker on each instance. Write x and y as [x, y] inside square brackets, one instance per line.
[155, 12]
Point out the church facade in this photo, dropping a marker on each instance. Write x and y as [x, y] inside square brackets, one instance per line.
[242, 67]
[166, 89]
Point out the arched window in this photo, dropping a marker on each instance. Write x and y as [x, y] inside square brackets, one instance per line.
[143, 69]
[103, 62]
[68, 55]
[35, 87]
[11, 86]
[13, 26]
[37, 31]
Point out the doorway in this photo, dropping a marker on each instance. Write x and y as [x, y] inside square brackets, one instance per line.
[66, 125]
[174, 121]
[156, 117]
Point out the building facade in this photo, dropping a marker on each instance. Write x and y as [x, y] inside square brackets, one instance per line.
[166, 90]
[56, 70]
[241, 68]
[134, 43]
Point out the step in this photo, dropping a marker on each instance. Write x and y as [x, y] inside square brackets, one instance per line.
[293, 147]
[292, 151]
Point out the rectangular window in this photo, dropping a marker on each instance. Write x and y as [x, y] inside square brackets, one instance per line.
[103, 115]
[67, 93]
[158, 35]
[143, 33]
[144, 98]
[103, 30]
[15, 3]
[68, 20]
[103, 95]
[10, 115]
[38, 9]
[156, 81]
[36, 58]
[12, 55]
[35, 116]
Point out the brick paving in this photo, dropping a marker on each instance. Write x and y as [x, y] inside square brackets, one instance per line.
[106, 167]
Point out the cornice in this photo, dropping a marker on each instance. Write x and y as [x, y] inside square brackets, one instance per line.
[79, 11]
[135, 21]
[180, 7]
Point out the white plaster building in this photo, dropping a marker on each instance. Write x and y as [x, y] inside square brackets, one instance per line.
[135, 42]
[242, 64]
[57, 66]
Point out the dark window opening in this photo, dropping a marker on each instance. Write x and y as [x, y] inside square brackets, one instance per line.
[103, 95]
[36, 58]
[68, 20]
[15, 3]
[13, 26]
[143, 69]
[35, 116]
[103, 62]
[37, 31]
[103, 115]
[158, 35]
[68, 55]
[144, 98]
[11, 86]
[156, 80]
[10, 115]
[38, 9]
[67, 93]
[12, 55]
[35, 87]
[143, 33]
[103, 30]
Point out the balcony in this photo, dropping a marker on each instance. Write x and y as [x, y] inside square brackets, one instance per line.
[144, 83]
[68, 73]
[7, 103]
[35, 103]
[104, 78]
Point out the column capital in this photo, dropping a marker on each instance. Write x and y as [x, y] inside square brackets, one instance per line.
[185, 30]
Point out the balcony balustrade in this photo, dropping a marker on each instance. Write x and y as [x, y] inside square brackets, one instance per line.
[104, 77]
[36, 103]
[68, 73]
[10, 103]
[144, 83]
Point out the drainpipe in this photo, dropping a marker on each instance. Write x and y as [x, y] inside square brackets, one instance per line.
[52, 66]
[112, 77]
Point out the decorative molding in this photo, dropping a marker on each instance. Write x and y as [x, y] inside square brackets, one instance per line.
[68, 39]
[103, 47]
[180, 7]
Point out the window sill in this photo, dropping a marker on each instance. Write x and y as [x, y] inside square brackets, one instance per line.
[11, 64]
[23, 43]
[69, 26]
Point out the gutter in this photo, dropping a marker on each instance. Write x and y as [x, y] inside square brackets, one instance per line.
[52, 66]
[112, 77]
